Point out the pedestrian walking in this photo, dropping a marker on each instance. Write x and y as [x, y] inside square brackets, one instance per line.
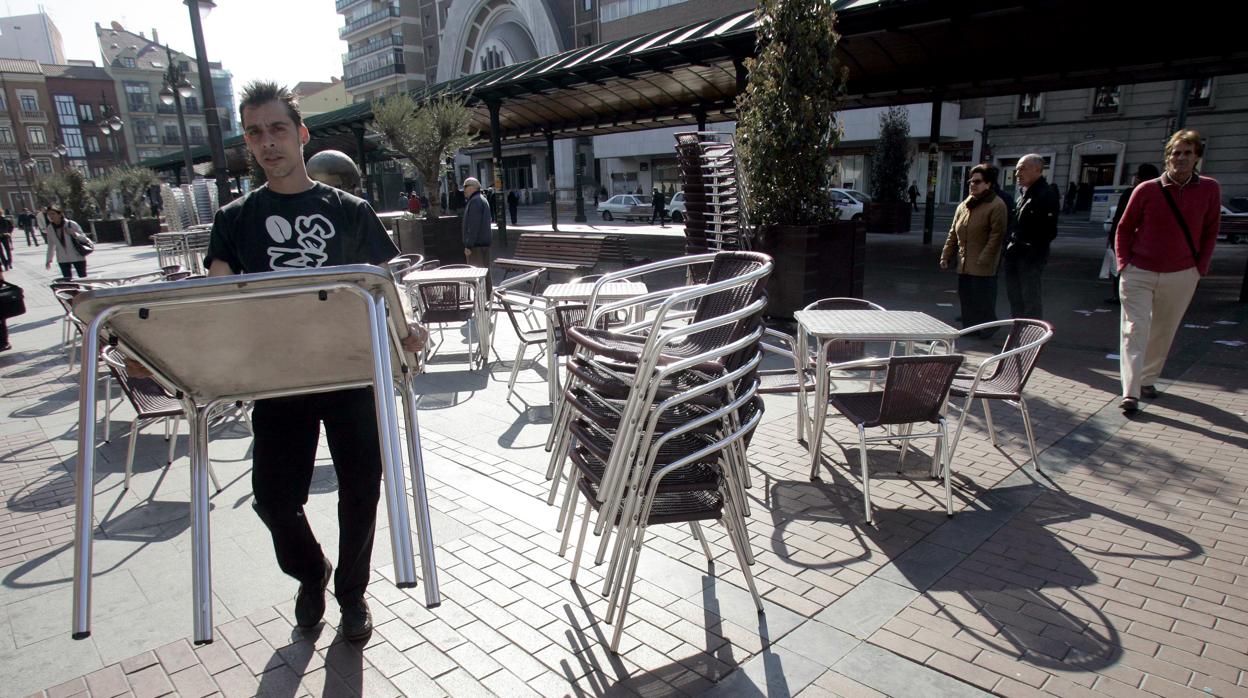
[1109, 269]
[1072, 195]
[660, 207]
[975, 236]
[1027, 248]
[513, 205]
[402, 201]
[6, 241]
[1164, 244]
[26, 221]
[913, 192]
[61, 235]
[4, 326]
[330, 227]
[477, 220]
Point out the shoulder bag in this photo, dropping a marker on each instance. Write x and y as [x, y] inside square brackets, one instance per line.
[1178, 216]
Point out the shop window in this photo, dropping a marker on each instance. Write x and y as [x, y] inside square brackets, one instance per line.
[1201, 94]
[1107, 100]
[1029, 105]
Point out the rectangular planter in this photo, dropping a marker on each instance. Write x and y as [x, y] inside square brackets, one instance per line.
[888, 217]
[108, 231]
[813, 262]
[141, 230]
[439, 238]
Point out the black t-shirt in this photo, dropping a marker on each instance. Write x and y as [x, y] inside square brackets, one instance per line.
[320, 227]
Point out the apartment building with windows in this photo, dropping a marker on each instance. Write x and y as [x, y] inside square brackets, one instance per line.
[83, 97]
[28, 135]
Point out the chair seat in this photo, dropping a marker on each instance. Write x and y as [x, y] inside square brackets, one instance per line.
[784, 381]
[599, 411]
[627, 347]
[991, 389]
[608, 385]
[440, 316]
[691, 478]
[859, 408]
[150, 400]
[599, 445]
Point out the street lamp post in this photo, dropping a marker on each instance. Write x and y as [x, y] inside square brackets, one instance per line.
[198, 8]
[176, 89]
[110, 123]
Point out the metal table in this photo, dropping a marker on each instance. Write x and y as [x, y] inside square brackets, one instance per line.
[480, 313]
[579, 292]
[218, 340]
[829, 326]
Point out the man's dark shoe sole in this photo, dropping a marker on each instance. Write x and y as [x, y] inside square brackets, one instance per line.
[310, 603]
[1129, 405]
[1148, 392]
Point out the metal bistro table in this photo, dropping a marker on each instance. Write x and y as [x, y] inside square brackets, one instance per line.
[218, 340]
[579, 292]
[829, 326]
[481, 299]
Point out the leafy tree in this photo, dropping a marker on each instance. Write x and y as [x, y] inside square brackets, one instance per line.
[426, 133]
[132, 183]
[890, 164]
[786, 120]
[67, 188]
[99, 189]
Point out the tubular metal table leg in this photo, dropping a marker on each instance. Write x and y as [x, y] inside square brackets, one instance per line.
[84, 485]
[420, 500]
[201, 540]
[391, 459]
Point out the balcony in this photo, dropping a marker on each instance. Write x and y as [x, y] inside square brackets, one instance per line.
[390, 12]
[340, 5]
[143, 139]
[372, 46]
[34, 115]
[141, 108]
[379, 73]
[173, 109]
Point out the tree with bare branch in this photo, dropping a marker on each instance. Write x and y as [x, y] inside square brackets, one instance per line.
[426, 133]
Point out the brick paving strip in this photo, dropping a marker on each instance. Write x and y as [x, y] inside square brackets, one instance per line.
[1123, 575]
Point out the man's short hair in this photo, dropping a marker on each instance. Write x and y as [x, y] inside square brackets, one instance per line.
[987, 172]
[258, 92]
[1186, 136]
[1147, 171]
[1032, 157]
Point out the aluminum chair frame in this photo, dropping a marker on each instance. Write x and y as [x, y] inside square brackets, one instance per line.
[983, 369]
[515, 303]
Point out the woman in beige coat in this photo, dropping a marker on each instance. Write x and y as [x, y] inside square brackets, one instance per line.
[976, 235]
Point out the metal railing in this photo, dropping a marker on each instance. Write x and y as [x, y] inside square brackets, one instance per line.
[379, 73]
[34, 114]
[368, 20]
[371, 46]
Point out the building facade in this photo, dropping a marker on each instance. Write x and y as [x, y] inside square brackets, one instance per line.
[223, 97]
[320, 97]
[84, 97]
[384, 54]
[28, 136]
[33, 37]
[139, 67]
[1098, 137]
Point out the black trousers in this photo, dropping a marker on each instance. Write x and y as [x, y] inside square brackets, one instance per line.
[660, 213]
[32, 238]
[978, 295]
[286, 433]
[4, 332]
[6, 251]
[1023, 286]
[80, 267]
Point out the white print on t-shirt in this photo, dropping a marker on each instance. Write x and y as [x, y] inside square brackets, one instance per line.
[310, 234]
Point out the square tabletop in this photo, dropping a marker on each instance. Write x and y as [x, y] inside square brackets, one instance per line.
[462, 274]
[612, 290]
[868, 325]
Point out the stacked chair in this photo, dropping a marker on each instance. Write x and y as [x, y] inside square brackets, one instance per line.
[654, 419]
[713, 204]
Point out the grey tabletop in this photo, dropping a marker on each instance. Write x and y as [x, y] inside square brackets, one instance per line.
[900, 325]
[470, 274]
[613, 290]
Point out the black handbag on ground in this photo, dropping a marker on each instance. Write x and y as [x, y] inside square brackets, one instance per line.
[12, 300]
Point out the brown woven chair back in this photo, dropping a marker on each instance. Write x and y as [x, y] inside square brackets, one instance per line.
[729, 265]
[915, 388]
[1011, 374]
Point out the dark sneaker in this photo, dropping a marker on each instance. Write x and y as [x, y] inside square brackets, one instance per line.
[357, 622]
[310, 601]
[1148, 392]
[1129, 405]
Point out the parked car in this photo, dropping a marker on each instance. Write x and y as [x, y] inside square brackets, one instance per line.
[626, 207]
[1234, 227]
[850, 204]
[676, 207]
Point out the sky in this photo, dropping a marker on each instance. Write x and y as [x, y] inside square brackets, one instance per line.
[288, 41]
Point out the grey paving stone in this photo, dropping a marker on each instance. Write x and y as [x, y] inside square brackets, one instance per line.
[920, 565]
[149, 682]
[774, 673]
[819, 642]
[414, 682]
[867, 607]
[892, 675]
[193, 682]
[107, 682]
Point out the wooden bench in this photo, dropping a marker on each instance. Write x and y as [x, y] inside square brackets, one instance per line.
[571, 253]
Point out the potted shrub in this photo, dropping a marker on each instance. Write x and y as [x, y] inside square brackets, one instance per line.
[99, 190]
[132, 184]
[786, 129]
[427, 134]
[889, 211]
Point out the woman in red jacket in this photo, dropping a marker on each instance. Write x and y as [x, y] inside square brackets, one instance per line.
[1164, 243]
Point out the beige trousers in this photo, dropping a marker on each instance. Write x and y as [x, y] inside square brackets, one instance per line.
[1153, 304]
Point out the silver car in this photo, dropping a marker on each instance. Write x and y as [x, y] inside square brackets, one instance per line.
[626, 207]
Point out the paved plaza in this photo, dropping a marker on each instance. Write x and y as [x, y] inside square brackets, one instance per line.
[1122, 569]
